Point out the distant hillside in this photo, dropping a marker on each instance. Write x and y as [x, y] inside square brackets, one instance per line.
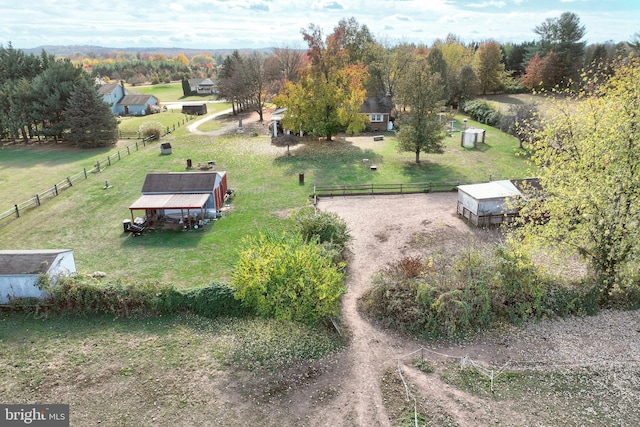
[66, 51]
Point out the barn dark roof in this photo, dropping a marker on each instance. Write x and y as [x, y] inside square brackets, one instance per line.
[376, 105]
[28, 261]
[135, 99]
[107, 88]
[201, 82]
[180, 182]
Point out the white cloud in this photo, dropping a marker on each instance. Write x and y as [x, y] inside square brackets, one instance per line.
[485, 4]
[207, 24]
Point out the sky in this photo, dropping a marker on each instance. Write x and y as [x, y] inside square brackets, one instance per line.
[237, 24]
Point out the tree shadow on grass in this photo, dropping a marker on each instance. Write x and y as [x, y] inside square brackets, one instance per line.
[331, 162]
[480, 146]
[174, 239]
[427, 171]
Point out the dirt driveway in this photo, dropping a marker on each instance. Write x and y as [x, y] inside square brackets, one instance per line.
[387, 228]
[384, 229]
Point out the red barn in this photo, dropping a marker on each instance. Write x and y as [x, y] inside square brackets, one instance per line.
[182, 195]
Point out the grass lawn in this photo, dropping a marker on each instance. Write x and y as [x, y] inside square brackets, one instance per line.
[88, 218]
[167, 92]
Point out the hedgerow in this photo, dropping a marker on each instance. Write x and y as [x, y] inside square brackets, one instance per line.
[81, 295]
[475, 289]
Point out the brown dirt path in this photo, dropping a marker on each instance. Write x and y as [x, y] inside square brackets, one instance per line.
[380, 236]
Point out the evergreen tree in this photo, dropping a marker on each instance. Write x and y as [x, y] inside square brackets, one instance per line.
[563, 36]
[89, 118]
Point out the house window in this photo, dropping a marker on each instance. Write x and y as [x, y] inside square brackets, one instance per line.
[375, 118]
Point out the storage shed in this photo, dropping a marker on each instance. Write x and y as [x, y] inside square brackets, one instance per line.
[180, 195]
[20, 271]
[488, 203]
[194, 109]
[471, 137]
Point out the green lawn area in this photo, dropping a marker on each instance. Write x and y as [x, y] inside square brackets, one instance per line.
[167, 92]
[88, 218]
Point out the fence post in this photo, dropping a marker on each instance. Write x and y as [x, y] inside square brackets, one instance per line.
[69, 181]
[109, 160]
[38, 200]
[136, 145]
[17, 211]
[85, 172]
[55, 188]
[119, 155]
[98, 165]
[128, 152]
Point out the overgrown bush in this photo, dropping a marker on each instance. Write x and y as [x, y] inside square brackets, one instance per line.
[80, 295]
[288, 278]
[326, 227]
[150, 129]
[480, 111]
[454, 296]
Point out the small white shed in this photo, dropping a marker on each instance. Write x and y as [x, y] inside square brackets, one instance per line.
[487, 203]
[471, 137]
[21, 269]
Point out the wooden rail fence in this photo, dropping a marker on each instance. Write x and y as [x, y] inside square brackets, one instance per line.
[363, 189]
[51, 192]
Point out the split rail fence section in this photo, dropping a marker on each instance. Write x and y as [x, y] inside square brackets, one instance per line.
[49, 193]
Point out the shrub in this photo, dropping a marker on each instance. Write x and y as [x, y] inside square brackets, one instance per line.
[326, 227]
[89, 296]
[454, 296]
[150, 129]
[482, 112]
[519, 287]
[287, 277]
[213, 301]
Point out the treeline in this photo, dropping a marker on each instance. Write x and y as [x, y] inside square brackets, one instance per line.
[137, 72]
[42, 97]
[154, 68]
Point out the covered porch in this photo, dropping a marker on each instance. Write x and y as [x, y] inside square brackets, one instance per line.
[185, 210]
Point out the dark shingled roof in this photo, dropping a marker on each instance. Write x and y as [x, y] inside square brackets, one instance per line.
[179, 182]
[135, 99]
[376, 105]
[28, 261]
[107, 88]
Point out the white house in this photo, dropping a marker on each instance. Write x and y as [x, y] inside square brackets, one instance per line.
[20, 271]
[112, 94]
[204, 86]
